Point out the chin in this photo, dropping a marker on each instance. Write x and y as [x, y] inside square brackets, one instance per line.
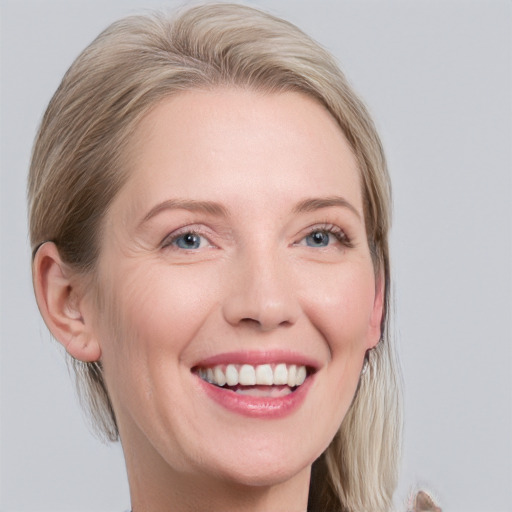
[264, 464]
[262, 475]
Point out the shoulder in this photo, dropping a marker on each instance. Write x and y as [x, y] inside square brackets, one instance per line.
[423, 502]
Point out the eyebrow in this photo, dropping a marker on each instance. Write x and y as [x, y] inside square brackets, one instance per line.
[192, 205]
[213, 208]
[317, 203]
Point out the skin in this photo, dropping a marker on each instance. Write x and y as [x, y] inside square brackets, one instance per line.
[255, 282]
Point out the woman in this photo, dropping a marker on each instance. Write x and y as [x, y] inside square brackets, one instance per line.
[209, 213]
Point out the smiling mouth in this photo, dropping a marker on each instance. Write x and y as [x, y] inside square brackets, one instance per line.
[266, 380]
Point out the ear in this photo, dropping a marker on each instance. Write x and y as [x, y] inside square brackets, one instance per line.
[375, 324]
[59, 302]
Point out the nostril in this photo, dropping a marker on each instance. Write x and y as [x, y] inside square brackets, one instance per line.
[250, 321]
[258, 305]
[264, 325]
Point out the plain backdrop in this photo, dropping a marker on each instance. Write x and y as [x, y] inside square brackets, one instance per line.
[436, 76]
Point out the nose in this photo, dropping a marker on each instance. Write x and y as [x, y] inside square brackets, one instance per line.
[261, 293]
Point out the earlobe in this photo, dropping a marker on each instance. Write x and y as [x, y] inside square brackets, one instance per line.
[375, 327]
[59, 300]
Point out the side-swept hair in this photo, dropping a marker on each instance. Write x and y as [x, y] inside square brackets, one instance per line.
[77, 169]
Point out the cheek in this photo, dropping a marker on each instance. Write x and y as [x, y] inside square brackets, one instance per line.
[157, 308]
[340, 304]
[152, 314]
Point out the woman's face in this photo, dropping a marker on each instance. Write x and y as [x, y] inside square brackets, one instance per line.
[236, 251]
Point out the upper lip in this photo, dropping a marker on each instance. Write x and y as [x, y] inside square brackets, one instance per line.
[256, 357]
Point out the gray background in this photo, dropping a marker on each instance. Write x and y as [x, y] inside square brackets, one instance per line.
[437, 78]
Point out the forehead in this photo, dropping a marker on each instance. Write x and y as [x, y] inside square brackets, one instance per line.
[219, 142]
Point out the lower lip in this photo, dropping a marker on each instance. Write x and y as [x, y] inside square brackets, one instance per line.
[257, 406]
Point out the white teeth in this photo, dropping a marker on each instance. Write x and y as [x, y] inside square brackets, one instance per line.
[248, 375]
[280, 375]
[231, 375]
[264, 375]
[220, 378]
[301, 375]
[292, 376]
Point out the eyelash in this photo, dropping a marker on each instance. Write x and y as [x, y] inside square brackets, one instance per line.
[172, 238]
[330, 229]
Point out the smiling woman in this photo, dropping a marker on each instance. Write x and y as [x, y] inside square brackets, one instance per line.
[209, 212]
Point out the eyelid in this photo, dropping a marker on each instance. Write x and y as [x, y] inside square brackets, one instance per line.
[193, 229]
[203, 232]
[335, 230]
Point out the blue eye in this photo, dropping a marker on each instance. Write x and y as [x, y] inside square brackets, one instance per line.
[326, 235]
[188, 241]
[318, 238]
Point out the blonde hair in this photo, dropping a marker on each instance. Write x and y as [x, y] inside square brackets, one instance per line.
[77, 169]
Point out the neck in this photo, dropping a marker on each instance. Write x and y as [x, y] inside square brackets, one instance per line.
[161, 489]
[186, 493]
[193, 495]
